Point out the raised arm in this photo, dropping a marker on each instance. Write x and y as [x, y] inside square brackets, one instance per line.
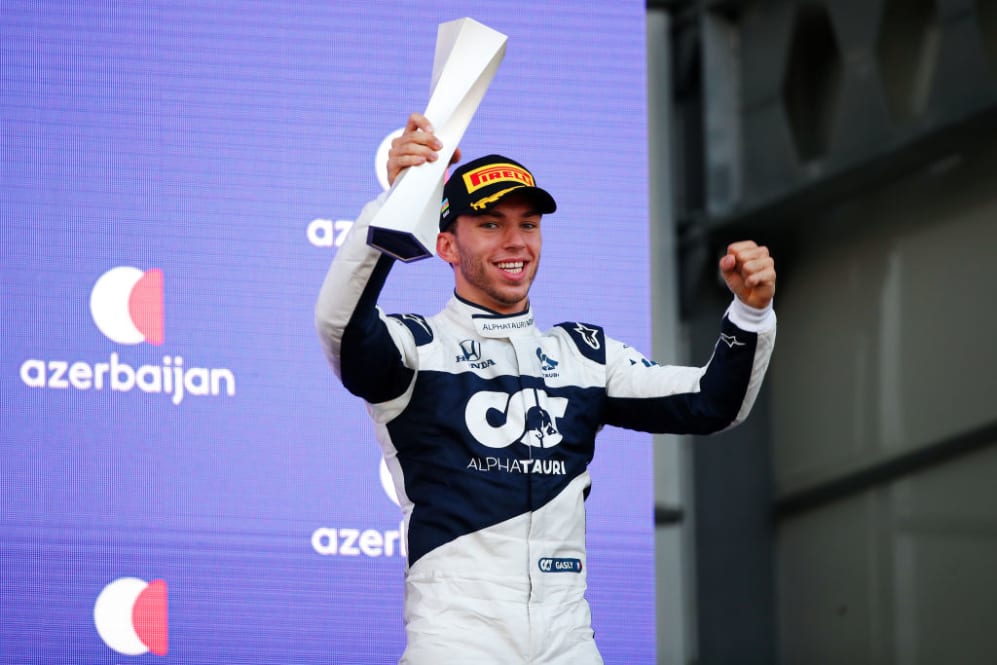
[701, 400]
[372, 354]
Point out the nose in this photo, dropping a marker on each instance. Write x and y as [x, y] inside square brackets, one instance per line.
[513, 236]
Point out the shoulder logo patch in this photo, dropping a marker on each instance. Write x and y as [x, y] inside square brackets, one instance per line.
[417, 325]
[418, 320]
[589, 335]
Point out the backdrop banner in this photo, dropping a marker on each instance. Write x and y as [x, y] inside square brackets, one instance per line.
[182, 478]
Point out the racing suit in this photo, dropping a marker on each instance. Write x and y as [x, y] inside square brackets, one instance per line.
[487, 426]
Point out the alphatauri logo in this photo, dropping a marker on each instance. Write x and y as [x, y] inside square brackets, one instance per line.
[126, 305]
[498, 419]
[132, 616]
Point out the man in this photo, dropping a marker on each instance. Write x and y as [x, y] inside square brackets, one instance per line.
[488, 424]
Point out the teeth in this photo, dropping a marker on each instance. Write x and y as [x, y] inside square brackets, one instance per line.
[511, 266]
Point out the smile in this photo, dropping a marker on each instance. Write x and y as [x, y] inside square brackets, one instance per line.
[514, 267]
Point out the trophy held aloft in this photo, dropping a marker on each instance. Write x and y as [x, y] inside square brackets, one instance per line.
[467, 56]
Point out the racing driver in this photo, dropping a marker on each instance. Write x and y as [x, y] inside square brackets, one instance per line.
[488, 424]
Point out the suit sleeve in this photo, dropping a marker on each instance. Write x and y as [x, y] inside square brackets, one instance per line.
[371, 353]
[645, 396]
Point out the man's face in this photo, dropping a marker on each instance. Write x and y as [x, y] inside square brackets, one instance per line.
[496, 254]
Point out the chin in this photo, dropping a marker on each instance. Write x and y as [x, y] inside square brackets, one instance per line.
[515, 302]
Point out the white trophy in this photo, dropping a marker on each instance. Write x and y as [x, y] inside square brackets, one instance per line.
[467, 56]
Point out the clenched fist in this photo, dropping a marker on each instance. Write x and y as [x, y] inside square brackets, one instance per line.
[749, 271]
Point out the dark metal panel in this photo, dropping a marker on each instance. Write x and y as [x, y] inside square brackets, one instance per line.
[950, 50]
[766, 28]
[963, 79]
[886, 471]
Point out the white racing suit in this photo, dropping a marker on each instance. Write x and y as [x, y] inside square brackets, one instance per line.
[488, 426]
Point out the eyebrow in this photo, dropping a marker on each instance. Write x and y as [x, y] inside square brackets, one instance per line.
[501, 215]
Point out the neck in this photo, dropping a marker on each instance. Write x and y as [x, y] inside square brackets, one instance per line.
[506, 311]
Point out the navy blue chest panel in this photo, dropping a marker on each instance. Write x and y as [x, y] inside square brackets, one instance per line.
[476, 452]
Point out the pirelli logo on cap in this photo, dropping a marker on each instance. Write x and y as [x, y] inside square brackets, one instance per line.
[486, 175]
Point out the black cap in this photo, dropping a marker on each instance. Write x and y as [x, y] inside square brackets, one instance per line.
[480, 184]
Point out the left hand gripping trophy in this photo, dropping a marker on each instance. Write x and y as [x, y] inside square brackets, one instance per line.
[467, 56]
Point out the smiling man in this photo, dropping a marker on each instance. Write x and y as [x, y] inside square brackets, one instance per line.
[488, 424]
[491, 232]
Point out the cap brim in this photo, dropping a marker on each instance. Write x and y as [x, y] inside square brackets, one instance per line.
[545, 203]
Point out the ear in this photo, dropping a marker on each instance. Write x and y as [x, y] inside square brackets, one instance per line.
[446, 247]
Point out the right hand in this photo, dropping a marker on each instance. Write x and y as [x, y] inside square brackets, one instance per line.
[749, 271]
[417, 145]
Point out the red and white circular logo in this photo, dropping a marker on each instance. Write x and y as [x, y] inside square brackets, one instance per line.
[132, 618]
[127, 305]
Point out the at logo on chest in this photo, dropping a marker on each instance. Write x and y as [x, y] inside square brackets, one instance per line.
[498, 419]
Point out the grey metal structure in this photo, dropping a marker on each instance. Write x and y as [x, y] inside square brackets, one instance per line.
[854, 520]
